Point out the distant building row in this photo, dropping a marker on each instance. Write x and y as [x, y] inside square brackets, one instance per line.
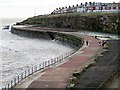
[89, 7]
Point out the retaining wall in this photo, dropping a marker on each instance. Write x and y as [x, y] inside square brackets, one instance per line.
[67, 39]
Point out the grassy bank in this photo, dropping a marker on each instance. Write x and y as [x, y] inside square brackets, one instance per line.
[100, 74]
[100, 22]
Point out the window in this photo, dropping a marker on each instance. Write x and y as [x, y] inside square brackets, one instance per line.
[114, 7]
[93, 8]
[99, 8]
[105, 8]
[109, 7]
[118, 7]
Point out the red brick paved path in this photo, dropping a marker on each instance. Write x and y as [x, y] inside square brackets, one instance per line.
[58, 77]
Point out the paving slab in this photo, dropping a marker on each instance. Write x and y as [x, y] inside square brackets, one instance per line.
[57, 77]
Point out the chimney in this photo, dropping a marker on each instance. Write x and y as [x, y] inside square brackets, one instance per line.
[93, 3]
[90, 3]
[86, 3]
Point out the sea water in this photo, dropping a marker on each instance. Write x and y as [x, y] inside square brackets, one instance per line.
[100, 35]
[19, 53]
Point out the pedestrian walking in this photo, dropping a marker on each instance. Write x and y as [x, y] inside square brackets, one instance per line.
[99, 43]
[95, 37]
[103, 43]
[86, 43]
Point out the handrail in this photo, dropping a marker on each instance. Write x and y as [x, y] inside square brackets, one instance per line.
[74, 42]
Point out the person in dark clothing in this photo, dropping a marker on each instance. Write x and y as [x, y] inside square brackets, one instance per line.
[95, 37]
[100, 43]
[86, 43]
[104, 43]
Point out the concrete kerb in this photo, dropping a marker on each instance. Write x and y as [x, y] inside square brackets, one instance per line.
[34, 74]
[82, 67]
[78, 71]
[68, 58]
[25, 82]
[80, 50]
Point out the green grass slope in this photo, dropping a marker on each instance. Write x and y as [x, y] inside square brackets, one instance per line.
[100, 21]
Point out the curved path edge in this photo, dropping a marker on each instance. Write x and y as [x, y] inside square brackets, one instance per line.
[58, 76]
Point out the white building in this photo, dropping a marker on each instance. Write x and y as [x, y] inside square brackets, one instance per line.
[89, 7]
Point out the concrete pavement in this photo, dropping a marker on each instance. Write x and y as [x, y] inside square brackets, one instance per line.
[58, 77]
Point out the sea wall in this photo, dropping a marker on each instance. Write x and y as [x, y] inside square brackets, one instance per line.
[68, 39]
[99, 21]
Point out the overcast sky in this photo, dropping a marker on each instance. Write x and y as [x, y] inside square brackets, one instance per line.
[29, 8]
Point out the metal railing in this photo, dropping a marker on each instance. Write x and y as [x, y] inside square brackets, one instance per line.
[73, 42]
[16, 80]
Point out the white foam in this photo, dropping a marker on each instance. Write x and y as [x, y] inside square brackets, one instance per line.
[20, 53]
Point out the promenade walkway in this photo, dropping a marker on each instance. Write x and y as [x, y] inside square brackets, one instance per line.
[57, 76]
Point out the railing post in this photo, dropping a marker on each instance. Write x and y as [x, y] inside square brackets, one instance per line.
[21, 76]
[54, 61]
[8, 86]
[11, 84]
[25, 73]
[57, 59]
[28, 72]
[32, 70]
[45, 63]
[39, 66]
[65, 55]
[5, 88]
[15, 81]
[62, 57]
[18, 78]
[48, 63]
[36, 68]
[51, 61]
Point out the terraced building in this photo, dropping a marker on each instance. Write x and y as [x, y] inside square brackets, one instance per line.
[89, 7]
